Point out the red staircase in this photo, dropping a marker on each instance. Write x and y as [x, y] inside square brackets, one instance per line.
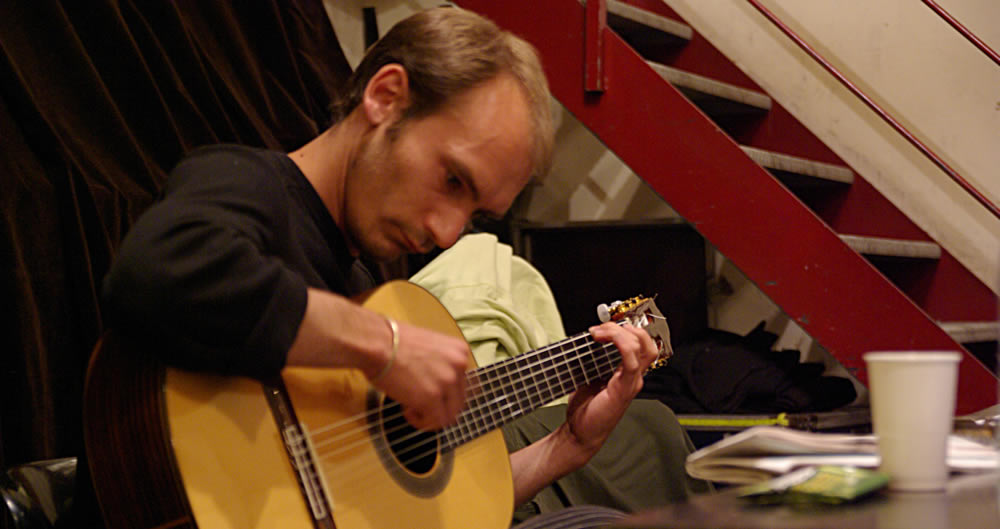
[835, 255]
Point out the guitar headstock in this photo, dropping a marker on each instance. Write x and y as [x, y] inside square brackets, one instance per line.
[642, 312]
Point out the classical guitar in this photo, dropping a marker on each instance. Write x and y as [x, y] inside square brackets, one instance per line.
[320, 448]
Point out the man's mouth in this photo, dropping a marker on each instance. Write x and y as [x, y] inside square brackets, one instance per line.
[412, 247]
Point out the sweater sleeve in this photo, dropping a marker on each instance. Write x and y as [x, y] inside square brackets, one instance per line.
[197, 278]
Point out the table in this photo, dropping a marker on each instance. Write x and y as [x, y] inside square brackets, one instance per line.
[970, 502]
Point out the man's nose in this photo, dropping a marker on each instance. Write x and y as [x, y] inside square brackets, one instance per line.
[446, 225]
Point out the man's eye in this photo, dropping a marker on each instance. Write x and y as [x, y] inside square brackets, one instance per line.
[453, 182]
[485, 222]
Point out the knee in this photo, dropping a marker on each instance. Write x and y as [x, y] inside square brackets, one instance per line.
[651, 410]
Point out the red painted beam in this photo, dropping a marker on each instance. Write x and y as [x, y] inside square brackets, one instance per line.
[794, 258]
[595, 28]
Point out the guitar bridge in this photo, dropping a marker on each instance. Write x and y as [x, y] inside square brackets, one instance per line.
[302, 455]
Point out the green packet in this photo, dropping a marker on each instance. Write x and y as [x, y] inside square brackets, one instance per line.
[821, 484]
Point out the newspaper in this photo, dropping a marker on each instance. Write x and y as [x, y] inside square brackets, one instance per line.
[763, 452]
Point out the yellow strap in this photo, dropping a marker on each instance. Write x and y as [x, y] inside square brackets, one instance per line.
[731, 421]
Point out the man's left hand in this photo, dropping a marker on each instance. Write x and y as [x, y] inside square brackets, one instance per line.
[595, 410]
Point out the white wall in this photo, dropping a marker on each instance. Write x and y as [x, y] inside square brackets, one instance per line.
[588, 182]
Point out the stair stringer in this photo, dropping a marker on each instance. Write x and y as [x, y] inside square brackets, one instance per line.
[831, 291]
[869, 145]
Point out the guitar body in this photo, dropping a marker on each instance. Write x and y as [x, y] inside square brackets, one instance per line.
[222, 463]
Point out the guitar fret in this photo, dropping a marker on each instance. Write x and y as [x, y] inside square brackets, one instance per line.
[521, 391]
[534, 381]
[479, 423]
[511, 405]
[537, 379]
[566, 383]
[483, 399]
[591, 369]
[466, 430]
[446, 438]
[611, 359]
[500, 399]
[583, 371]
[548, 368]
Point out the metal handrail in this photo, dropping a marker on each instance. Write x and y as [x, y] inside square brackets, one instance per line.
[976, 41]
[969, 188]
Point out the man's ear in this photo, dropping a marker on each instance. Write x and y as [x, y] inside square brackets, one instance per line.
[386, 95]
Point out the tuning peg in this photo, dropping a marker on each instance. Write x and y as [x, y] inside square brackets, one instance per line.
[603, 313]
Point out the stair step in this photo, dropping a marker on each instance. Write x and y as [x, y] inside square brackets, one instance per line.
[971, 331]
[887, 247]
[714, 97]
[642, 27]
[801, 166]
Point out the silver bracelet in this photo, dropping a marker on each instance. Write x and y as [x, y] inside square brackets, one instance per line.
[395, 349]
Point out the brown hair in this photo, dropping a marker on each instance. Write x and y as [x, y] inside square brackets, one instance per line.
[446, 51]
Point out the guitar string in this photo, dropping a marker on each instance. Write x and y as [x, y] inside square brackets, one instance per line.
[362, 473]
[608, 361]
[360, 470]
[526, 363]
[367, 472]
[477, 380]
[457, 428]
[483, 400]
[481, 370]
[486, 401]
[462, 437]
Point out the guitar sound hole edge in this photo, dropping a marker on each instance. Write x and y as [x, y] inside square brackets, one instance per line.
[425, 476]
[415, 450]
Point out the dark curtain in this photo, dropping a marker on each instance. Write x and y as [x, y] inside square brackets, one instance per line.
[98, 100]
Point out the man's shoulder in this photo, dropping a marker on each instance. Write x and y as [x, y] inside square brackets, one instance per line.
[229, 155]
[228, 166]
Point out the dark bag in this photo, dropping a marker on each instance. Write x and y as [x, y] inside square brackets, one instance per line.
[724, 373]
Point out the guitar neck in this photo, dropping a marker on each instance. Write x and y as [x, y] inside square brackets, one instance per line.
[503, 391]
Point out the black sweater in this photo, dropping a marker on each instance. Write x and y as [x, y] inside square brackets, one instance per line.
[214, 275]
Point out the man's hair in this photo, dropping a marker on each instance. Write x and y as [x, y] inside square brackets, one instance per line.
[446, 51]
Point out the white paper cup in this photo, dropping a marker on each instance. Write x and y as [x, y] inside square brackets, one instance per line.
[912, 396]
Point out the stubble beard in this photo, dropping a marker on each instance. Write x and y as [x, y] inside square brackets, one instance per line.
[369, 237]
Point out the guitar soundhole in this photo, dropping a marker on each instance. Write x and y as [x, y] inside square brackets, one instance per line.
[412, 457]
[414, 449]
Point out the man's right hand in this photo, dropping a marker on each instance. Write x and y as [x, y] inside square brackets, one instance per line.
[427, 376]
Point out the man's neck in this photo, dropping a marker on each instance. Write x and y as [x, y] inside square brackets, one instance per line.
[325, 161]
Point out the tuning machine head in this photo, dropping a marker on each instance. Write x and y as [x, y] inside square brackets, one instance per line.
[642, 312]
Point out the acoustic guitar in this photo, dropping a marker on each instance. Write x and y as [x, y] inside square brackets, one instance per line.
[320, 448]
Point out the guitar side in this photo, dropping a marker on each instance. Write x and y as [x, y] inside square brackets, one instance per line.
[148, 429]
[132, 468]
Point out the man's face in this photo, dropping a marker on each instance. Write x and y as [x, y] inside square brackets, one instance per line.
[419, 189]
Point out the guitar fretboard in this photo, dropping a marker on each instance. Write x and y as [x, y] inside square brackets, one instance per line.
[503, 391]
